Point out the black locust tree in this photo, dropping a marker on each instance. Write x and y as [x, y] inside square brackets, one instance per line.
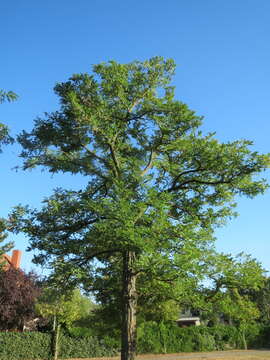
[156, 188]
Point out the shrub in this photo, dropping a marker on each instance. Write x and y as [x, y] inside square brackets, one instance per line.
[169, 338]
[26, 345]
[153, 337]
[37, 345]
[80, 331]
[83, 347]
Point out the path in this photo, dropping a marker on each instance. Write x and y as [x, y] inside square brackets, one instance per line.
[215, 355]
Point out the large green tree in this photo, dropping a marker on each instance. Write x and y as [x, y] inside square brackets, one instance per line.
[156, 189]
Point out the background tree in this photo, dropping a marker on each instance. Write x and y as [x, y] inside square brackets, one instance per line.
[4, 247]
[228, 299]
[18, 294]
[62, 309]
[261, 297]
[5, 139]
[4, 134]
[156, 186]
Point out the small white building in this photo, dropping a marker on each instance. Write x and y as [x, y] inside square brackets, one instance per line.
[188, 321]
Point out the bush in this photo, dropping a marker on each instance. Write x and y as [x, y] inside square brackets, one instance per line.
[169, 338]
[83, 347]
[80, 331]
[37, 345]
[153, 337]
[226, 337]
[26, 345]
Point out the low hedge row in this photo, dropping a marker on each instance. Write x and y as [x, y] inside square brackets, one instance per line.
[152, 338]
[169, 338]
[26, 345]
[37, 345]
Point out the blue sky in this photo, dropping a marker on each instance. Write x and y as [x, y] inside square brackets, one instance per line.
[222, 52]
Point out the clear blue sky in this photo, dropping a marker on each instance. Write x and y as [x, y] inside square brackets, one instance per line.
[222, 51]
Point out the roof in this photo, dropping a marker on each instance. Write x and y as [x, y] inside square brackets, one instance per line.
[191, 318]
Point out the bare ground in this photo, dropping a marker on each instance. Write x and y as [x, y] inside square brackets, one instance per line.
[216, 355]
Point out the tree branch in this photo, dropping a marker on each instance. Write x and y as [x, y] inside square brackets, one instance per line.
[199, 169]
[196, 181]
[150, 162]
[95, 255]
[104, 161]
[115, 161]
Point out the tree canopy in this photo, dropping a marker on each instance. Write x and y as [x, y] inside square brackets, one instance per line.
[231, 282]
[157, 186]
[65, 308]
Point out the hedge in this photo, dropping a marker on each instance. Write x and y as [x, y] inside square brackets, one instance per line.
[37, 345]
[152, 338]
[26, 345]
[169, 338]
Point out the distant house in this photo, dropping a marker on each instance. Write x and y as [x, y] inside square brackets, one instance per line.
[187, 319]
[14, 260]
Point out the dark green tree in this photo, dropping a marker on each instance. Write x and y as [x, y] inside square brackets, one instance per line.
[156, 189]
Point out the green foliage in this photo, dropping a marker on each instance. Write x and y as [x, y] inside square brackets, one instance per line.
[4, 247]
[76, 331]
[152, 338]
[152, 174]
[66, 308]
[7, 96]
[35, 345]
[169, 338]
[4, 134]
[261, 297]
[5, 138]
[157, 186]
[233, 283]
[24, 346]
[82, 347]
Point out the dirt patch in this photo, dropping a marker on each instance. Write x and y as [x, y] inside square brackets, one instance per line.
[216, 355]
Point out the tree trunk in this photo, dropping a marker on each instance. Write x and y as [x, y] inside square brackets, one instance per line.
[244, 339]
[128, 348]
[55, 341]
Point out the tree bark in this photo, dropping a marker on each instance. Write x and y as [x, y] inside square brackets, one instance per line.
[55, 339]
[128, 346]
